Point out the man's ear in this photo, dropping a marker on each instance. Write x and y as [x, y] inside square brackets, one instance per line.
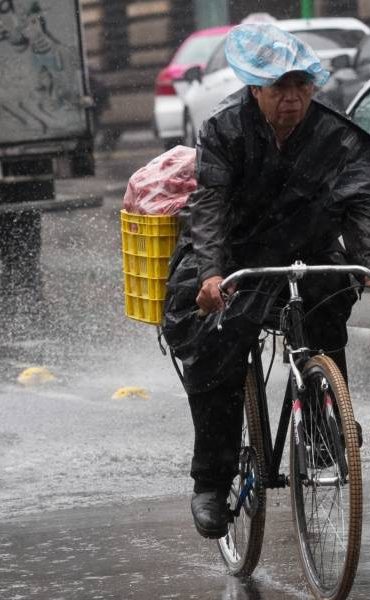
[254, 90]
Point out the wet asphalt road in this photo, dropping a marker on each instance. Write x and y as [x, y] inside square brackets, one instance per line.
[94, 492]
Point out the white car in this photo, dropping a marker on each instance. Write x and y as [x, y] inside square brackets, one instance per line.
[329, 37]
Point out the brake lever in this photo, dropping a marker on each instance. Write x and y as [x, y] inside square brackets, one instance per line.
[220, 319]
[228, 300]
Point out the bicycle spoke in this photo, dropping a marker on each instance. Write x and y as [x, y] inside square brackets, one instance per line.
[328, 524]
[241, 546]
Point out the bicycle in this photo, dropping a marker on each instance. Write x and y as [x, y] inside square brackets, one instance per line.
[325, 466]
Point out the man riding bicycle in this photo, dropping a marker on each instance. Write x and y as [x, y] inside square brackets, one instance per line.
[280, 177]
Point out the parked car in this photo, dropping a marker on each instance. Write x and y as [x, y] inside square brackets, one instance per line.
[359, 107]
[168, 106]
[329, 37]
[348, 77]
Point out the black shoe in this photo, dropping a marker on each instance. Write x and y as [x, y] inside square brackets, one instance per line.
[211, 513]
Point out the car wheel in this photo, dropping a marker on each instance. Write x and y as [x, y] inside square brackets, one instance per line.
[189, 133]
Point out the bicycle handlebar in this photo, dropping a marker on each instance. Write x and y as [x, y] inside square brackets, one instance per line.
[294, 271]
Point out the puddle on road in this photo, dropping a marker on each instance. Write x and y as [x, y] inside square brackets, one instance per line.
[149, 549]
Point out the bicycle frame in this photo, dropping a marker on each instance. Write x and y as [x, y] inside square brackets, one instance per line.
[298, 354]
[272, 451]
[325, 464]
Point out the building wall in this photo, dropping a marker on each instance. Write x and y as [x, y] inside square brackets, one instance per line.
[288, 9]
[127, 42]
[364, 10]
[339, 8]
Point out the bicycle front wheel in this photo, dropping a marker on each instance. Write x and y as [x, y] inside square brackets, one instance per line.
[327, 506]
[241, 546]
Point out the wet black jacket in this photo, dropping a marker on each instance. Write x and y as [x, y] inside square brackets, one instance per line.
[258, 205]
[272, 206]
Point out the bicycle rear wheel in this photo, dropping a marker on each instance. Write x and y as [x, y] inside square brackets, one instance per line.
[241, 546]
[327, 507]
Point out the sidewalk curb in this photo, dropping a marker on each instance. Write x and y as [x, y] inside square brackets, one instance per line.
[62, 202]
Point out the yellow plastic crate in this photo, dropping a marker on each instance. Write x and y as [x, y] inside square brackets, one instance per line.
[145, 287]
[155, 246]
[147, 245]
[149, 224]
[143, 309]
[144, 266]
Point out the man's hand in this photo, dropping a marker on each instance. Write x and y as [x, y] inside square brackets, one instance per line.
[209, 298]
[367, 281]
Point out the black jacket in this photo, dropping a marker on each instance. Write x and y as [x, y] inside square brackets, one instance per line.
[261, 205]
[257, 205]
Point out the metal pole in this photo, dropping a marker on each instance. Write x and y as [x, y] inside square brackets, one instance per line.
[307, 9]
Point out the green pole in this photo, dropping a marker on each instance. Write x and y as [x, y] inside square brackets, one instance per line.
[307, 9]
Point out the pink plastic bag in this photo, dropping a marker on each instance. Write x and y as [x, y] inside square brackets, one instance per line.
[163, 185]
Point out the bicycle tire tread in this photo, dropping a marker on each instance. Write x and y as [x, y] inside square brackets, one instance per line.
[332, 373]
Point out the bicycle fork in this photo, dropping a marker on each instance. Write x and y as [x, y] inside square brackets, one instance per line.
[299, 437]
[328, 416]
[298, 388]
[297, 383]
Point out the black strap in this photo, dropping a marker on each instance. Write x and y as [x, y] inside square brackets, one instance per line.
[172, 354]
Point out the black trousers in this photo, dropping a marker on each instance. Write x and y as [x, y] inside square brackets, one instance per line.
[214, 363]
[218, 417]
[218, 413]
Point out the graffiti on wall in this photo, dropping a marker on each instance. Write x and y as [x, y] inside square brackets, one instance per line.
[40, 70]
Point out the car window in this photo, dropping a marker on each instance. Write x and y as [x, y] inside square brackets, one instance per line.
[328, 39]
[197, 50]
[361, 114]
[363, 56]
[217, 60]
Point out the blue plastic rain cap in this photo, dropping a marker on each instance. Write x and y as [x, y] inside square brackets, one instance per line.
[261, 53]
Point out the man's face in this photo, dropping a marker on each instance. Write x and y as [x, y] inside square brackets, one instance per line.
[285, 103]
